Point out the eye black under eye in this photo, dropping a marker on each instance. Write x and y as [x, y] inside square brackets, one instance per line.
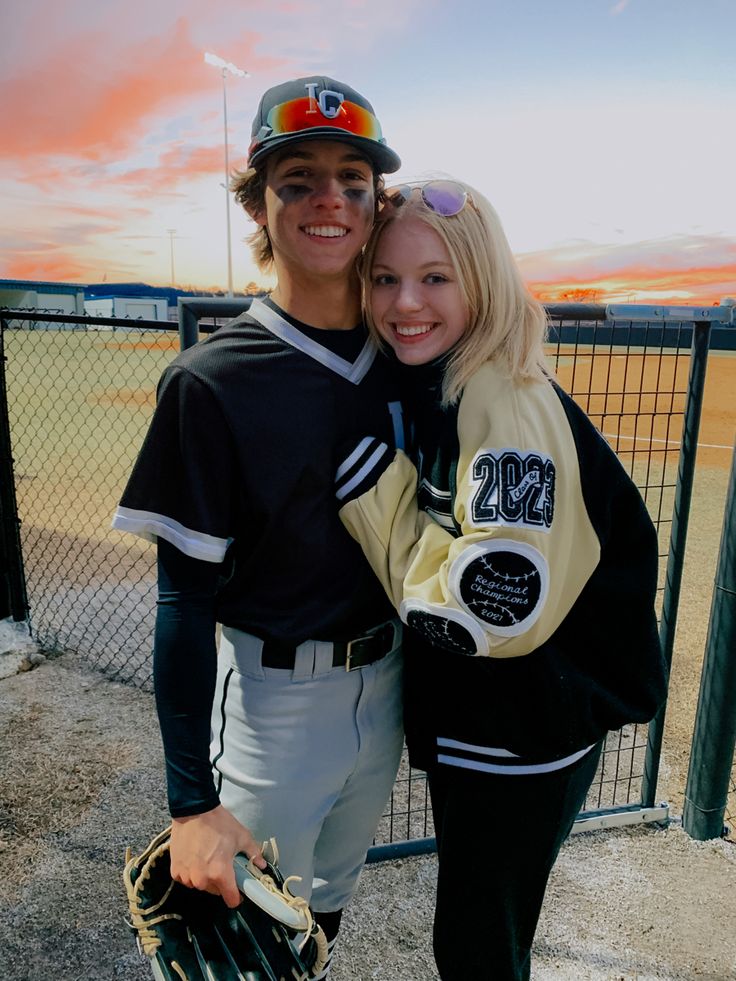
[290, 192]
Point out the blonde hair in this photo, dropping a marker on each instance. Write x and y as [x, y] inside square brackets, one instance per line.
[505, 323]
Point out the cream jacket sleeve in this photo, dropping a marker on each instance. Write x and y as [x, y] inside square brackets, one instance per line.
[526, 545]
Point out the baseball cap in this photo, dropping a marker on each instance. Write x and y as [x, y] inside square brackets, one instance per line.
[318, 108]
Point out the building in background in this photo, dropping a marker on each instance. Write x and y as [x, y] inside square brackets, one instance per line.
[132, 301]
[48, 297]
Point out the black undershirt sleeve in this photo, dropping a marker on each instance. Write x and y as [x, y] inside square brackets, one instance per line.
[184, 673]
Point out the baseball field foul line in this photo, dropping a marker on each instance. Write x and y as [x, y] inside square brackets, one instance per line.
[669, 442]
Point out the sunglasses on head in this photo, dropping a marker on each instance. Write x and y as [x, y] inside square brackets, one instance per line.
[446, 198]
[303, 114]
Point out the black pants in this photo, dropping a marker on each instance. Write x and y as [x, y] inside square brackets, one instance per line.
[498, 837]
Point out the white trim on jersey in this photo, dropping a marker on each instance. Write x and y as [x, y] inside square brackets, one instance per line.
[152, 526]
[366, 467]
[274, 322]
[512, 769]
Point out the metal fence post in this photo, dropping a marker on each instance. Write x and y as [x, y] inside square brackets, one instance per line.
[13, 597]
[188, 326]
[678, 541]
[714, 740]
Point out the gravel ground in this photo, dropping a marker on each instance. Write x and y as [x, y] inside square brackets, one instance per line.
[81, 778]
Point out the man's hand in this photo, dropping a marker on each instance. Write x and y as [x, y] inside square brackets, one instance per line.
[203, 847]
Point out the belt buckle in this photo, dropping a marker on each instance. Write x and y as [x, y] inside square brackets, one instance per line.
[349, 666]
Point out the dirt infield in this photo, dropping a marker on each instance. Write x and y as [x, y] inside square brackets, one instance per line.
[645, 390]
[81, 777]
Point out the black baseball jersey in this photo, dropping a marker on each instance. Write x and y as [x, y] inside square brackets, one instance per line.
[528, 572]
[238, 464]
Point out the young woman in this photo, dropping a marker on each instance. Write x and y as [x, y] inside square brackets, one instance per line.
[520, 555]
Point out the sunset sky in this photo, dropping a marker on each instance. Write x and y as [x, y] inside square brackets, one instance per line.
[603, 131]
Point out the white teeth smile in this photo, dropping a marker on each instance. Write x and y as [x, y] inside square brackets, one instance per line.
[325, 231]
[413, 331]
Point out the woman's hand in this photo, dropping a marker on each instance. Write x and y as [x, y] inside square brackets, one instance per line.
[203, 847]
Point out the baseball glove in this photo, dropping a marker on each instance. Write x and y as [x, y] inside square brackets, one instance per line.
[190, 935]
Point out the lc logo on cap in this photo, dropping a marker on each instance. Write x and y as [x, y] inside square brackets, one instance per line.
[329, 101]
[318, 108]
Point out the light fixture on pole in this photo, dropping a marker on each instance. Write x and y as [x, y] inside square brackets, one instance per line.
[226, 67]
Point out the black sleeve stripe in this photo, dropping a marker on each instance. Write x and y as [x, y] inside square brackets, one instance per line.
[361, 469]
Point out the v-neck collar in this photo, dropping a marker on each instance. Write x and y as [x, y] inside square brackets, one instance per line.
[272, 320]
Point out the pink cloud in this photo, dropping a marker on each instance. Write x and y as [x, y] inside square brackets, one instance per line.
[57, 268]
[94, 100]
[176, 166]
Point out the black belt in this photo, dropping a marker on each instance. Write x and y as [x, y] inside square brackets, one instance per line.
[356, 653]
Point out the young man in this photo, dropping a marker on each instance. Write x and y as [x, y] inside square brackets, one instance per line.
[235, 484]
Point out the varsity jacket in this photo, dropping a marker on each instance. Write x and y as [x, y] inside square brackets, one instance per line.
[522, 556]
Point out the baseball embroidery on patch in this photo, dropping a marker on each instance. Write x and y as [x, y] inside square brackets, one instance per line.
[503, 584]
[513, 488]
[452, 630]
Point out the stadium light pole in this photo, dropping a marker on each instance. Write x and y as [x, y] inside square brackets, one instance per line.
[226, 66]
[172, 233]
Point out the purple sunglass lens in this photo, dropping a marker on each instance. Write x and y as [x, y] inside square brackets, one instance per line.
[445, 198]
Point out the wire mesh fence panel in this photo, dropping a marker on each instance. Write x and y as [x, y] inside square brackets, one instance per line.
[633, 388]
[408, 815]
[80, 401]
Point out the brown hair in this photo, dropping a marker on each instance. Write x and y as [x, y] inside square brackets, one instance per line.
[249, 189]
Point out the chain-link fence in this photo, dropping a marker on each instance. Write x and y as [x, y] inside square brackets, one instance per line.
[632, 380]
[80, 400]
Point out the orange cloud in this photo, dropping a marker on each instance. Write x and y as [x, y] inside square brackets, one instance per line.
[695, 285]
[690, 269]
[57, 268]
[90, 101]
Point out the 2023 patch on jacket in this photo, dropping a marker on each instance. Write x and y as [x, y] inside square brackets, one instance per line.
[523, 556]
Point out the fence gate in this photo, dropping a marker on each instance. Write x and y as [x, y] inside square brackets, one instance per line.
[80, 394]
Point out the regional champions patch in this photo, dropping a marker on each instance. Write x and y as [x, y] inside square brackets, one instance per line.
[452, 630]
[502, 583]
